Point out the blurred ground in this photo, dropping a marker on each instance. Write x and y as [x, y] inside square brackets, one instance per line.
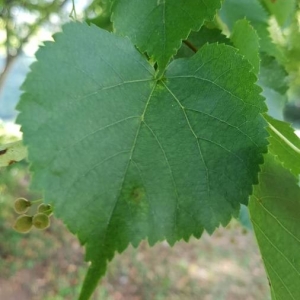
[48, 265]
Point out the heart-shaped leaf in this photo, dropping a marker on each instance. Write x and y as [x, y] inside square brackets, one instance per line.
[123, 155]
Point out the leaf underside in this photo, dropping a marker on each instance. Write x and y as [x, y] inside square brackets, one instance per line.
[275, 210]
[123, 156]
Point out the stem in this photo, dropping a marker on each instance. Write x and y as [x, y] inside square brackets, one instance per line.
[48, 212]
[284, 139]
[190, 45]
[36, 201]
[73, 11]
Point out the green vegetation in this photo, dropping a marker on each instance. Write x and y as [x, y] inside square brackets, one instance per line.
[128, 142]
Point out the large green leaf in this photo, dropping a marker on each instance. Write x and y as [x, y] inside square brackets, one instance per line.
[275, 211]
[285, 144]
[158, 26]
[123, 156]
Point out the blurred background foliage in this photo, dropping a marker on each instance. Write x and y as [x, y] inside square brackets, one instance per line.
[49, 265]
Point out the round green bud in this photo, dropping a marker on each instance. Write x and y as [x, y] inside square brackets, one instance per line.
[41, 221]
[21, 205]
[23, 224]
[45, 209]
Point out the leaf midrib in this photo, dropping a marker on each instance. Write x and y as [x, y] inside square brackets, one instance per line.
[129, 160]
[284, 139]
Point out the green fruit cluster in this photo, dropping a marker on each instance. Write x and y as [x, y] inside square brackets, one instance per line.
[39, 220]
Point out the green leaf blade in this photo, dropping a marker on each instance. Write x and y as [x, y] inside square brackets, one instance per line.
[157, 27]
[246, 40]
[122, 156]
[274, 209]
[284, 144]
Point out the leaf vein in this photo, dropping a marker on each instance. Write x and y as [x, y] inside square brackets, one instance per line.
[194, 134]
[222, 121]
[271, 267]
[217, 85]
[275, 247]
[276, 219]
[129, 161]
[170, 169]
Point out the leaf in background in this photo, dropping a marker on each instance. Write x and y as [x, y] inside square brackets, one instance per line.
[11, 153]
[272, 74]
[234, 10]
[245, 39]
[244, 217]
[284, 144]
[158, 26]
[275, 102]
[123, 156]
[273, 80]
[103, 11]
[283, 10]
[275, 210]
[199, 38]
[293, 58]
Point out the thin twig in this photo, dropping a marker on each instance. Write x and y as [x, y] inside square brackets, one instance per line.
[73, 11]
[190, 45]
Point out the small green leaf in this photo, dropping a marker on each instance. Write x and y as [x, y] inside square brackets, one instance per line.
[245, 39]
[139, 157]
[234, 10]
[11, 153]
[284, 144]
[275, 210]
[158, 26]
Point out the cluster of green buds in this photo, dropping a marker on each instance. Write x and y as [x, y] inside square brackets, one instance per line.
[40, 220]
